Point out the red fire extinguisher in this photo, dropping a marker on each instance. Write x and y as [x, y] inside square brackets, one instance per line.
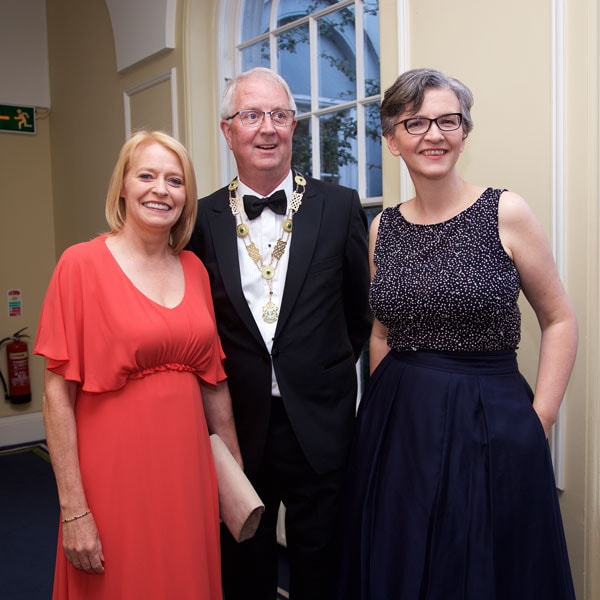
[17, 358]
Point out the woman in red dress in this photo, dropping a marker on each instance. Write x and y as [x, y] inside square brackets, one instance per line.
[134, 384]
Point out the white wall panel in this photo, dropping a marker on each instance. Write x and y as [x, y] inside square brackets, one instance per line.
[24, 78]
[141, 30]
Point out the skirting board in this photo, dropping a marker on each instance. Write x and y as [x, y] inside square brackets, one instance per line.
[21, 429]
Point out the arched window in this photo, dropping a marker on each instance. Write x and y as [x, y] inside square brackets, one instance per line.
[328, 52]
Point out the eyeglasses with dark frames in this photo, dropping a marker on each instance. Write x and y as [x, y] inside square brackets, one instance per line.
[281, 117]
[421, 125]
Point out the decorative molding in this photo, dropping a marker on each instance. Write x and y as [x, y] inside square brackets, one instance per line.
[22, 429]
[24, 68]
[230, 26]
[406, 188]
[588, 517]
[170, 76]
[141, 30]
[557, 439]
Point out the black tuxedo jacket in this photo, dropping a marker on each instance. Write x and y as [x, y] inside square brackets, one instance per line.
[324, 321]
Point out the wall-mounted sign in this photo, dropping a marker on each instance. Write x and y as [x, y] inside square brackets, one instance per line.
[15, 305]
[18, 119]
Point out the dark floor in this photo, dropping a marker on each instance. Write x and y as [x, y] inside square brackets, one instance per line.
[28, 524]
[29, 514]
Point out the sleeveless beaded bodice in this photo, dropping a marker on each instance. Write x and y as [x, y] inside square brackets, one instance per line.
[448, 286]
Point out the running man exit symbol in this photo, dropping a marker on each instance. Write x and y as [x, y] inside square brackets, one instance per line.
[18, 119]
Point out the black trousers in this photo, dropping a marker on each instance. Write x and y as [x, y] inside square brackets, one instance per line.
[311, 501]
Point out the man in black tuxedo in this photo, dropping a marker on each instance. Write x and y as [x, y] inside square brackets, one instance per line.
[290, 289]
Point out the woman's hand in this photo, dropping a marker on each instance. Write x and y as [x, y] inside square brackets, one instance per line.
[82, 546]
[81, 542]
[546, 422]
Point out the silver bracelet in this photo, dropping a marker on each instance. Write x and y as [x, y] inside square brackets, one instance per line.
[85, 514]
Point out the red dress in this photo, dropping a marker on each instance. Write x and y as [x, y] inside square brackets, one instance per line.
[143, 443]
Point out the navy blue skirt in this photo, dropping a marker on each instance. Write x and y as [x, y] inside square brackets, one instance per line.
[450, 492]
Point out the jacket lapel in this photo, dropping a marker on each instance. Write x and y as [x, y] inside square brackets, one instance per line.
[303, 241]
[222, 226]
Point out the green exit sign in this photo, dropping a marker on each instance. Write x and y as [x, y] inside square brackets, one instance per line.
[18, 119]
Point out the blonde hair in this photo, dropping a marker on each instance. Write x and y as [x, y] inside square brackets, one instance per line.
[115, 206]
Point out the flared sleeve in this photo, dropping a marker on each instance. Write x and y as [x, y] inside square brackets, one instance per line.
[61, 324]
[96, 328]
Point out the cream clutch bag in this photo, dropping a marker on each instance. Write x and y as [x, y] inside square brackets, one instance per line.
[240, 506]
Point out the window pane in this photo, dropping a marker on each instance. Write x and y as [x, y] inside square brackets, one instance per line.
[373, 149]
[290, 10]
[338, 147]
[371, 44]
[346, 154]
[256, 18]
[337, 58]
[302, 147]
[293, 59]
[256, 55]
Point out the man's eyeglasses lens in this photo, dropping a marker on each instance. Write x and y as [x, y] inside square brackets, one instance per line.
[420, 125]
[281, 117]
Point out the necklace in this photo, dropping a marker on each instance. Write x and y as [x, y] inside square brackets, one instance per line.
[270, 311]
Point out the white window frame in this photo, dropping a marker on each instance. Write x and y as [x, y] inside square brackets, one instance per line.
[230, 63]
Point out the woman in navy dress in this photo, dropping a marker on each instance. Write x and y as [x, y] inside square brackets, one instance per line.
[451, 493]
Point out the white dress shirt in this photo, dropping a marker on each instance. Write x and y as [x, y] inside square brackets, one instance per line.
[265, 230]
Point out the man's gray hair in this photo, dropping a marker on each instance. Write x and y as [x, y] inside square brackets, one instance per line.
[227, 104]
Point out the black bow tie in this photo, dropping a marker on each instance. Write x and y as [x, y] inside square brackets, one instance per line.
[277, 202]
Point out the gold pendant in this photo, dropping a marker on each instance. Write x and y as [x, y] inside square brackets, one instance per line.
[270, 312]
[268, 272]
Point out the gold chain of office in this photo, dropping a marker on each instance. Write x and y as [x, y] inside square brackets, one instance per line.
[267, 270]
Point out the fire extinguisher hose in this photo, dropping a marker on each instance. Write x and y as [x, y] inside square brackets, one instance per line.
[6, 394]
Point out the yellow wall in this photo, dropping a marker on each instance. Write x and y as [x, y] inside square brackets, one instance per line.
[581, 501]
[87, 118]
[26, 240]
[54, 183]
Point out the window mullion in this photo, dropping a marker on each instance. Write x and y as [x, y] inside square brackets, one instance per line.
[272, 35]
[313, 34]
[273, 50]
[361, 150]
[359, 30]
[361, 146]
[273, 15]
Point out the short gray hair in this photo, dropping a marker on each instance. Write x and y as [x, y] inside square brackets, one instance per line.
[408, 91]
[227, 107]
